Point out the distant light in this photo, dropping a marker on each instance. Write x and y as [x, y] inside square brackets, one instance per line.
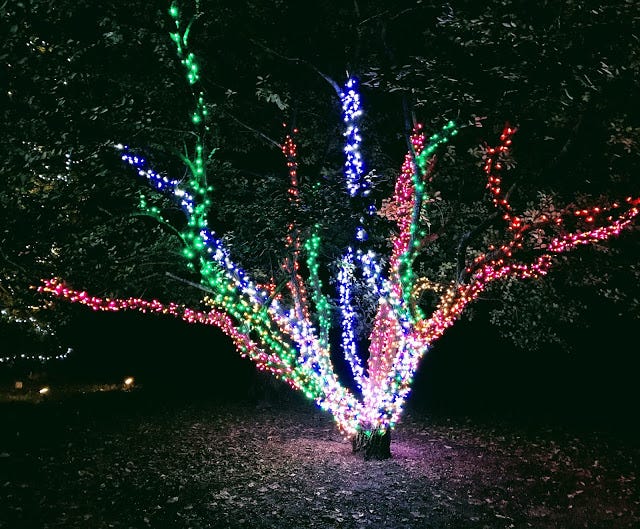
[18, 384]
[44, 390]
[128, 382]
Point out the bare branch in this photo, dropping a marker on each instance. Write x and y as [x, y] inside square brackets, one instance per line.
[297, 60]
[255, 131]
[191, 283]
[469, 236]
[386, 15]
[4, 256]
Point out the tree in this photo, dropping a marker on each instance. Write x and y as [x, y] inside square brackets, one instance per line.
[285, 327]
[82, 76]
[563, 72]
[62, 116]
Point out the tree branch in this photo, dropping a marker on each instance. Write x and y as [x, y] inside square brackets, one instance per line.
[297, 60]
[385, 14]
[4, 256]
[465, 240]
[562, 153]
[255, 131]
[191, 283]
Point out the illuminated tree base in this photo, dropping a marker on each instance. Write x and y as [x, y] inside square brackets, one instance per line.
[373, 445]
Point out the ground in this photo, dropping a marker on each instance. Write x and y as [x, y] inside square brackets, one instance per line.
[143, 459]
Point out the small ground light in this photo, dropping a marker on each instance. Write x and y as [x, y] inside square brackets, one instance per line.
[128, 382]
[44, 390]
[18, 384]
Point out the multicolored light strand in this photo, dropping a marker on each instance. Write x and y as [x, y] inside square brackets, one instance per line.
[288, 335]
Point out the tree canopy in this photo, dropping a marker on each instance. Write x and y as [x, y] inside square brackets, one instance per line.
[82, 77]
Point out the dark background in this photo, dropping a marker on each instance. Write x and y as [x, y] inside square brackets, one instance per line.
[470, 371]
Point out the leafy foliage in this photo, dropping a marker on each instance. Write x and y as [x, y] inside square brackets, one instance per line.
[81, 77]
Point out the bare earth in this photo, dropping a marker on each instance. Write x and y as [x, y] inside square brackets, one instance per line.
[137, 460]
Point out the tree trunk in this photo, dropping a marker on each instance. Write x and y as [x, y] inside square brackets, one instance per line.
[374, 445]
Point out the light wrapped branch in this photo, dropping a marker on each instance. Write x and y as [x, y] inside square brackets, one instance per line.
[513, 258]
[289, 335]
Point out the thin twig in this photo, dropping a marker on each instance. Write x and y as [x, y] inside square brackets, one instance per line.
[4, 256]
[191, 283]
[384, 13]
[255, 131]
[297, 60]
[461, 252]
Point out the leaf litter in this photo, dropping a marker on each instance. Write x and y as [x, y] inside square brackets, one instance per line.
[137, 460]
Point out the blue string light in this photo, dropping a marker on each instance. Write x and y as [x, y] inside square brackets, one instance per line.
[353, 165]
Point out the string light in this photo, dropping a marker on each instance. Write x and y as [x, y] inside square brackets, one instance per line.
[358, 183]
[345, 283]
[353, 165]
[288, 335]
[320, 300]
[35, 357]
